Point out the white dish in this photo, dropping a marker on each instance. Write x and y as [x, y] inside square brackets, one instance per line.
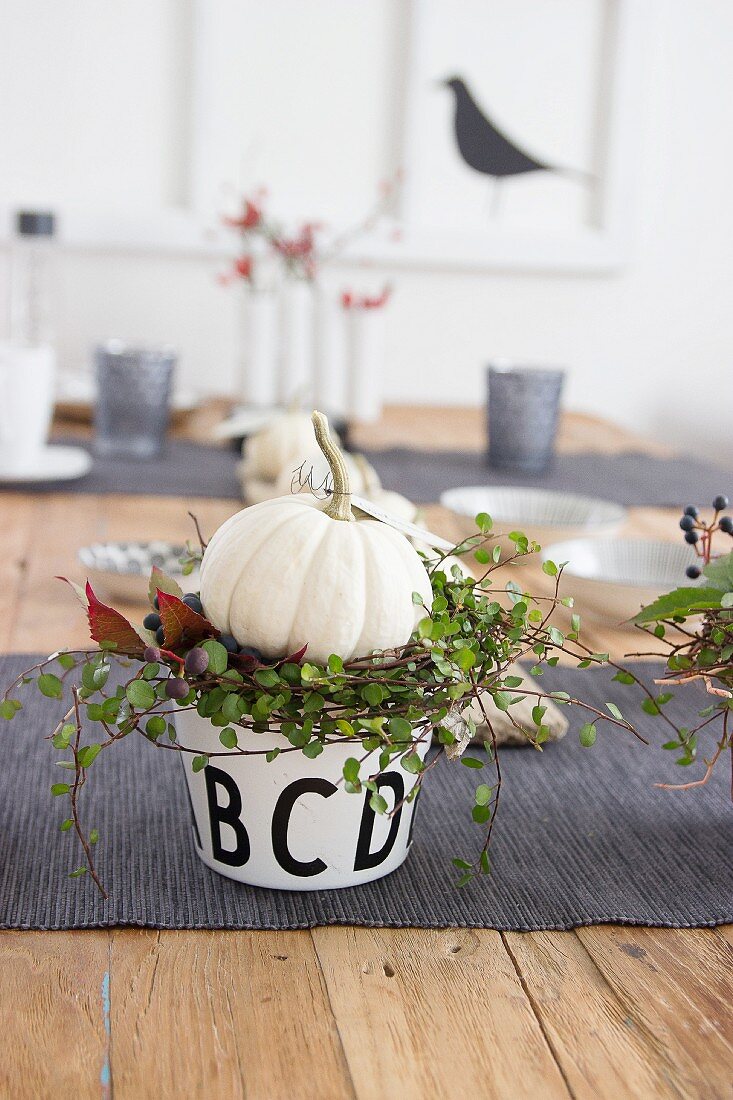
[123, 568]
[244, 421]
[613, 578]
[542, 515]
[53, 463]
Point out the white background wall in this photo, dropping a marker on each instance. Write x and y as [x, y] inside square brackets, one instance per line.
[650, 346]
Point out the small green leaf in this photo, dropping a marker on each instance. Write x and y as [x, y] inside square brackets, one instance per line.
[549, 568]
[140, 694]
[483, 795]
[155, 726]
[265, 677]
[199, 762]
[312, 749]
[88, 755]
[351, 770]
[587, 735]
[59, 788]
[378, 803]
[66, 825]
[218, 656]
[481, 814]
[50, 686]
[613, 710]
[400, 729]
[66, 661]
[412, 763]
[228, 738]
[471, 762]
[78, 872]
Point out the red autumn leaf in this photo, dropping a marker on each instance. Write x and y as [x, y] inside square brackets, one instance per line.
[245, 662]
[108, 625]
[295, 658]
[181, 623]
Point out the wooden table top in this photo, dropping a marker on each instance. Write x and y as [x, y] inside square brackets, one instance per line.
[600, 1012]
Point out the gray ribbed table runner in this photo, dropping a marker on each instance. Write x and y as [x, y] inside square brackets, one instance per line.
[194, 470]
[582, 837]
[634, 480]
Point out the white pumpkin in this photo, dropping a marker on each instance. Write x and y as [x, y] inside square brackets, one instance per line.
[267, 451]
[295, 570]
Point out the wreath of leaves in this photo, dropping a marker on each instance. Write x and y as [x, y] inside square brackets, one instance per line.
[383, 704]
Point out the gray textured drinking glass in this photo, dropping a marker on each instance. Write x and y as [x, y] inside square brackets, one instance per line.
[523, 407]
[133, 396]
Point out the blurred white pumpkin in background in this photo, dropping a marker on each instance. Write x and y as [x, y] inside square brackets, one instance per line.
[394, 504]
[269, 450]
[297, 571]
[313, 471]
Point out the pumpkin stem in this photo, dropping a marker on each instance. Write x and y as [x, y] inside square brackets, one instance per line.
[339, 506]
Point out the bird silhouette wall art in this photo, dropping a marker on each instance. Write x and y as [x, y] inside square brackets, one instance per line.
[486, 149]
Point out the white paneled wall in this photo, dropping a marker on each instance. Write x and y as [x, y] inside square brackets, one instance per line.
[651, 346]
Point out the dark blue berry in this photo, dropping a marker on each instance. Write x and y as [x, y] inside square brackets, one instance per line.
[151, 653]
[720, 503]
[691, 510]
[692, 572]
[726, 524]
[231, 645]
[151, 621]
[197, 661]
[156, 602]
[191, 600]
[160, 636]
[250, 651]
[687, 523]
[691, 537]
[176, 687]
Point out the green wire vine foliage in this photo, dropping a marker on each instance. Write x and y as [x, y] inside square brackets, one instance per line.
[383, 703]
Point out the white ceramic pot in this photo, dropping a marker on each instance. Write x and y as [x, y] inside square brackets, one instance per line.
[289, 824]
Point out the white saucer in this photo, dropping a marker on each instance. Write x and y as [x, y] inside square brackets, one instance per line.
[50, 464]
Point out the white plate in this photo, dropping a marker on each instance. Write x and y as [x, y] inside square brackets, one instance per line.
[613, 578]
[122, 569]
[244, 421]
[542, 515]
[50, 464]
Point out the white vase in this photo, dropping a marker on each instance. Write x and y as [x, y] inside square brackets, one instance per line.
[329, 352]
[289, 824]
[295, 375]
[366, 340]
[258, 380]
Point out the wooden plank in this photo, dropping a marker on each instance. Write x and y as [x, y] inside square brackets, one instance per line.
[427, 1013]
[16, 521]
[605, 1052]
[463, 428]
[48, 615]
[55, 1044]
[222, 1014]
[678, 985]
